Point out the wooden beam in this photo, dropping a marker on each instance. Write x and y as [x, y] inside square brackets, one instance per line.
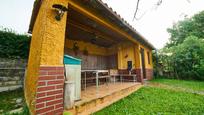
[84, 11]
[90, 30]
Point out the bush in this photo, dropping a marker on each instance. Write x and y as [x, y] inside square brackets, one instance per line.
[186, 60]
[13, 45]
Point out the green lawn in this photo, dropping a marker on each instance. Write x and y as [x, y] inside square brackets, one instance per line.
[155, 100]
[192, 85]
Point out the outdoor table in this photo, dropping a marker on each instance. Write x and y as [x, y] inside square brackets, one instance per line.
[97, 76]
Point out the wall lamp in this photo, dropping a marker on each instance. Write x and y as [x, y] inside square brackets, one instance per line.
[60, 10]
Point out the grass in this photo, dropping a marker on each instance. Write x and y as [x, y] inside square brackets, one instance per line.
[149, 100]
[155, 100]
[8, 100]
[192, 85]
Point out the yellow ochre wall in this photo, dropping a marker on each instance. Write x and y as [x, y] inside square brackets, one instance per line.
[133, 52]
[91, 48]
[47, 47]
[126, 53]
[130, 49]
[148, 66]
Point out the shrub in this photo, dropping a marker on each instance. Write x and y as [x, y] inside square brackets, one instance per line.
[13, 45]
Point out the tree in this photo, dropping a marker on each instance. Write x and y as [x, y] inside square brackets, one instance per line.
[189, 27]
[183, 56]
[187, 59]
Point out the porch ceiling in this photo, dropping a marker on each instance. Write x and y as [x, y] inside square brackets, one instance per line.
[81, 28]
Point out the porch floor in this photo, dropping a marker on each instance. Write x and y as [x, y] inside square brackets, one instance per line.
[106, 89]
[93, 99]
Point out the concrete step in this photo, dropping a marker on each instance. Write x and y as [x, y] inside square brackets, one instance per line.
[10, 88]
[10, 83]
[8, 63]
[12, 72]
[10, 78]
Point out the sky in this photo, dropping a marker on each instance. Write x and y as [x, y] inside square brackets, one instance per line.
[152, 22]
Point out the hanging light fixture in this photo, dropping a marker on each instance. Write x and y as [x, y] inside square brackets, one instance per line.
[60, 10]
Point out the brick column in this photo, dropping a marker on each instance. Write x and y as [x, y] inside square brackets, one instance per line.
[50, 91]
[44, 85]
[139, 74]
[149, 74]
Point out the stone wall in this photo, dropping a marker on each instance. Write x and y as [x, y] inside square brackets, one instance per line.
[11, 73]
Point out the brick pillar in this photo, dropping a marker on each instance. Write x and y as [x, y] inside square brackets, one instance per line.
[139, 75]
[44, 85]
[149, 74]
[50, 91]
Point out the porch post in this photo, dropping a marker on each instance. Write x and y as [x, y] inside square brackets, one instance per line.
[138, 64]
[44, 83]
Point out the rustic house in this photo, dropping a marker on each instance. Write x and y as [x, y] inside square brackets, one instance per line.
[111, 57]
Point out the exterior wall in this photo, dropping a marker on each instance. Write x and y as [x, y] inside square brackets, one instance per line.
[91, 48]
[50, 90]
[47, 49]
[147, 65]
[126, 53]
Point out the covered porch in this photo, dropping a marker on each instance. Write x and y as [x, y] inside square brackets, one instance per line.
[108, 62]
[103, 50]
[113, 56]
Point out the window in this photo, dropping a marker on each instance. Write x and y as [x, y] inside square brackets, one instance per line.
[148, 56]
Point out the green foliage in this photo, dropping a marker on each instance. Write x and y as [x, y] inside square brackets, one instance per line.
[8, 100]
[151, 100]
[13, 45]
[187, 59]
[189, 27]
[183, 56]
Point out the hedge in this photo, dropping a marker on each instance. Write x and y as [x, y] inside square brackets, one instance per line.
[14, 45]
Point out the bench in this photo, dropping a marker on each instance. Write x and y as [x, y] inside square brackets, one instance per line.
[114, 73]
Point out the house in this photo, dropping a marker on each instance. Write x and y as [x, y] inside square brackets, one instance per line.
[91, 31]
